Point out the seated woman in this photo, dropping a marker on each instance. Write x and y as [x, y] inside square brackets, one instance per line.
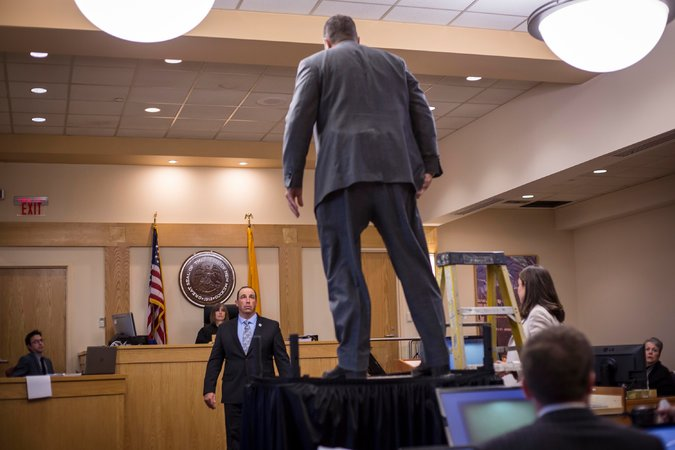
[658, 375]
[218, 316]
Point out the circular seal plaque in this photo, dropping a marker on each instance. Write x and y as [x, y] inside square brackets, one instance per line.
[207, 278]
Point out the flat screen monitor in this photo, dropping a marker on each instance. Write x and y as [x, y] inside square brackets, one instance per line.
[620, 365]
[123, 324]
[666, 433]
[476, 415]
[474, 351]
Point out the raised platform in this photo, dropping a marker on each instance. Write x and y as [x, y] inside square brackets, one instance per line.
[380, 413]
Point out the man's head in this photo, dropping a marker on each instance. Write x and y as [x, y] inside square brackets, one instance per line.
[246, 301]
[337, 29]
[558, 366]
[34, 342]
[653, 348]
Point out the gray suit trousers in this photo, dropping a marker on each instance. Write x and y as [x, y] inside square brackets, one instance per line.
[392, 207]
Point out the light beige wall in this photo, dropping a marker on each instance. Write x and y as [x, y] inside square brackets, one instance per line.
[85, 291]
[515, 232]
[625, 279]
[107, 193]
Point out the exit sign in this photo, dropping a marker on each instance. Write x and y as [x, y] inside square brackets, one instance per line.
[31, 205]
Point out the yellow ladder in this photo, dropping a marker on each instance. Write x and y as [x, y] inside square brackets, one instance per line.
[496, 273]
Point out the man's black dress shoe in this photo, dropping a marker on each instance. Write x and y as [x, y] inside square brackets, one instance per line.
[338, 373]
[430, 371]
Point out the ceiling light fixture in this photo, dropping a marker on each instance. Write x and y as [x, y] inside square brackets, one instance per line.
[173, 61]
[431, 108]
[473, 78]
[528, 196]
[146, 21]
[38, 119]
[39, 54]
[173, 161]
[599, 171]
[38, 90]
[243, 163]
[152, 110]
[601, 35]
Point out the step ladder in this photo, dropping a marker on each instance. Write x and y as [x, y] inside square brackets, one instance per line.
[496, 273]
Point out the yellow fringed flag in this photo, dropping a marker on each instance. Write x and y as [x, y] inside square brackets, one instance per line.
[253, 268]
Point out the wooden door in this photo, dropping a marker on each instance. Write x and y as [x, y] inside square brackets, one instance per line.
[381, 280]
[33, 298]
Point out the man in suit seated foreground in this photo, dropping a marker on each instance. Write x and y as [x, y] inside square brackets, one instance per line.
[33, 363]
[234, 345]
[558, 376]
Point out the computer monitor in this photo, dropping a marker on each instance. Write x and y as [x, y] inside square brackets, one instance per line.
[666, 433]
[123, 324]
[476, 415]
[620, 365]
[474, 351]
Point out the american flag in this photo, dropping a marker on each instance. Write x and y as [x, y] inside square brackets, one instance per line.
[156, 306]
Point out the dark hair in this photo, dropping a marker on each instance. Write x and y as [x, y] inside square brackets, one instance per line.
[246, 287]
[340, 28]
[218, 307]
[539, 290]
[30, 335]
[657, 342]
[557, 363]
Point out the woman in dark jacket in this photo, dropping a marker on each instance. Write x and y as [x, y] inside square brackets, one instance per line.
[218, 316]
[658, 375]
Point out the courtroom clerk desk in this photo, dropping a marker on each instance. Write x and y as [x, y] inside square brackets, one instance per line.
[165, 407]
[84, 412]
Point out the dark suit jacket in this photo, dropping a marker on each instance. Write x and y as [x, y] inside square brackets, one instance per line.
[661, 379]
[373, 123]
[239, 367]
[574, 429]
[29, 365]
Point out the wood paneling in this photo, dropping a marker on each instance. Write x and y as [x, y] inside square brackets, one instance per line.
[116, 285]
[83, 412]
[290, 290]
[33, 298]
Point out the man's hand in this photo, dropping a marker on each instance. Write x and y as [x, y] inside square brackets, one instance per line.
[425, 185]
[210, 400]
[294, 197]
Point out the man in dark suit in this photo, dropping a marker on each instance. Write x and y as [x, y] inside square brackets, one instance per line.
[34, 363]
[558, 375]
[376, 154]
[235, 344]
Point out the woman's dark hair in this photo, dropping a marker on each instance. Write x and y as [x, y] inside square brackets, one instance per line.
[219, 307]
[539, 290]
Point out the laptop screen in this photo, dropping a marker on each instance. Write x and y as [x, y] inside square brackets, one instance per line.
[476, 415]
[473, 351]
[666, 433]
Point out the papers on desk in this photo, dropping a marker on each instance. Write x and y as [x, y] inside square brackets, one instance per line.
[39, 386]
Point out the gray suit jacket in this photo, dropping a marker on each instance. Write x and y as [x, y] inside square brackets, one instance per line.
[371, 121]
[29, 365]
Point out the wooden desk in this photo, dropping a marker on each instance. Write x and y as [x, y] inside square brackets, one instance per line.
[83, 410]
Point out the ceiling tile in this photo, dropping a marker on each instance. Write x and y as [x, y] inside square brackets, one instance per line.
[221, 97]
[104, 93]
[442, 108]
[191, 134]
[420, 15]
[165, 78]
[227, 81]
[91, 121]
[4, 118]
[26, 58]
[53, 120]
[96, 131]
[252, 136]
[54, 90]
[145, 123]
[451, 93]
[152, 94]
[259, 114]
[457, 5]
[443, 132]
[104, 62]
[275, 85]
[138, 109]
[462, 81]
[131, 132]
[356, 10]
[281, 71]
[4, 105]
[514, 8]
[112, 76]
[206, 112]
[515, 84]
[281, 101]
[38, 72]
[273, 137]
[5, 128]
[37, 130]
[496, 96]
[250, 69]
[489, 21]
[453, 122]
[239, 126]
[38, 106]
[285, 6]
[84, 107]
[197, 125]
[160, 64]
[472, 110]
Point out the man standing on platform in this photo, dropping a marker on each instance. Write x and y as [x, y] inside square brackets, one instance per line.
[558, 376]
[235, 345]
[376, 154]
[33, 363]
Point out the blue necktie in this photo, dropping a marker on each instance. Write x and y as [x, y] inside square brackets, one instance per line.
[246, 337]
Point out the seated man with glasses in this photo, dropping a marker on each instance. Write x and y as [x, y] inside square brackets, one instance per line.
[33, 363]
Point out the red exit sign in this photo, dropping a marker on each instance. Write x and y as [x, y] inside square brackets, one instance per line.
[31, 205]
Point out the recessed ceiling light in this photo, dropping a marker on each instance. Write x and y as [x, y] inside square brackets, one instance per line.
[473, 78]
[432, 108]
[599, 171]
[38, 119]
[173, 61]
[172, 161]
[38, 90]
[39, 54]
[528, 196]
[243, 163]
[152, 110]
